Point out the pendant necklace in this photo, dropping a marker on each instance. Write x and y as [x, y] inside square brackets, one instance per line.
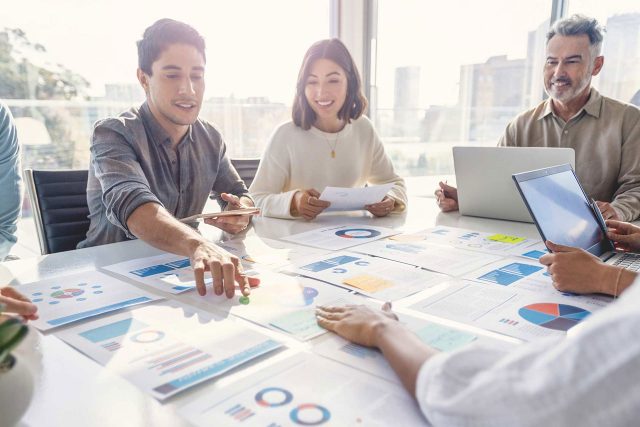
[333, 147]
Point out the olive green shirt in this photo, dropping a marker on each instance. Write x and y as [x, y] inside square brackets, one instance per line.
[605, 135]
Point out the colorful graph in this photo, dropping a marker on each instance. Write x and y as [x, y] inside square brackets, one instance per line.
[310, 414]
[59, 294]
[239, 413]
[329, 263]
[357, 233]
[560, 317]
[272, 397]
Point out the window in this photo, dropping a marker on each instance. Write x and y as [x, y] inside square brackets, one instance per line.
[65, 65]
[453, 73]
[620, 76]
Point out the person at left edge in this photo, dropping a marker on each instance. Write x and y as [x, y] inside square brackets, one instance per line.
[159, 162]
[10, 181]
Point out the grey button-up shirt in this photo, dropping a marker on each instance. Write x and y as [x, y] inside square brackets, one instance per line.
[132, 163]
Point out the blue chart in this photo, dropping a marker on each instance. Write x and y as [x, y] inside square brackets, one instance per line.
[405, 247]
[329, 263]
[510, 273]
[152, 270]
[440, 231]
[310, 414]
[560, 317]
[357, 233]
[359, 351]
[535, 254]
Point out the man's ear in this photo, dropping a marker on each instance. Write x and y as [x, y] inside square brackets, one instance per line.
[597, 65]
[143, 78]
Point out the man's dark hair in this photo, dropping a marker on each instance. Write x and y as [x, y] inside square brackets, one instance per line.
[160, 35]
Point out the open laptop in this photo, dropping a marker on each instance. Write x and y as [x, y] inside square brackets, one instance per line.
[483, 178]
[564, 214]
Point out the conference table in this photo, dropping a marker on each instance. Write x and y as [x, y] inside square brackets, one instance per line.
[73, 390]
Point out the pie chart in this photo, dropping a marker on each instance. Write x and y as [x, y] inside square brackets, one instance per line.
[357, 233]
[560, 317]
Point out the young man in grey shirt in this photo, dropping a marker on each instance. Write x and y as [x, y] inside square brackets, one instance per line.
[159, 162]
[604, 132]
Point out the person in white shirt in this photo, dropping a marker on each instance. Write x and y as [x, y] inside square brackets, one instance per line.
[328, 143]
[591, 377]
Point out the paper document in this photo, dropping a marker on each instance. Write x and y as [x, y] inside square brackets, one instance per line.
[496, 243]
[443, 259]
[168, 272]
[511, 311]
[164, 350]
[375, 277]
[67, 299]
[371, 360]
[306, 390]
[340, 237]
[281, 302]
[350, 199]
[254, 250]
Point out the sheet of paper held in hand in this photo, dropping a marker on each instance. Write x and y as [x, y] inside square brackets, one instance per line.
[350, 199]
[245, 211]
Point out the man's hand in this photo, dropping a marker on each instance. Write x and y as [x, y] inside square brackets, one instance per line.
[447, 197]
[225, 270]
[383, 208]
[576, 270]
[14, 302]
[608, 211]
[306, 204]
[231, 224]
[625, 235]
[357, 323]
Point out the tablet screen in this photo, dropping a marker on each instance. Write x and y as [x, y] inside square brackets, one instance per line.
[562, 211]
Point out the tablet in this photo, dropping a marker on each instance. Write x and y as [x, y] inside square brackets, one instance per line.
[244, 211]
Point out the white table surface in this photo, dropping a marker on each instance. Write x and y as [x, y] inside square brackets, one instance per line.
[73, 390]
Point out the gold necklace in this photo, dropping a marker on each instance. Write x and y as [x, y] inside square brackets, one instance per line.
[335, 143]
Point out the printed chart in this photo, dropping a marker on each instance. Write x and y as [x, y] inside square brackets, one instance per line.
[442, 259]
[67, 299]
[375, 277]
[163, 352]
[511, 311]
[373, 362]
[293, 393]
[516, 273]
[254, 250]
[283, 303]
[497, 243]
[341, 237]
[168, 272]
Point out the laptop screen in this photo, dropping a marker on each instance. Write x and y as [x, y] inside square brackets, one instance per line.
[562, 212]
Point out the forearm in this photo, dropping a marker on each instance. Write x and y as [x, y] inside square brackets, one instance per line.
[152, 223]
[403, 350]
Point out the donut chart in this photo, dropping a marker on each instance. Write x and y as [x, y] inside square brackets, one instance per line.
[559, 317]
[309, 414]
[272, 397]
[67, 293]
[357, 233]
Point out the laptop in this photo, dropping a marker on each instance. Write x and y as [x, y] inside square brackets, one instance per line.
[483, 178]
[564, 214]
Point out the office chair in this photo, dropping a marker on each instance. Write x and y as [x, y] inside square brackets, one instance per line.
[60, 211]
[246, 168]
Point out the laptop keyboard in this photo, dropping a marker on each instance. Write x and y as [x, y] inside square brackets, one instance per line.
[629, 262]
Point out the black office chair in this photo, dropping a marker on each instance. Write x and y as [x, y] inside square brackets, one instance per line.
[246, 168]
[60, 211]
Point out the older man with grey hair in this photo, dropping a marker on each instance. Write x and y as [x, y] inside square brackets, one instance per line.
[604, 132]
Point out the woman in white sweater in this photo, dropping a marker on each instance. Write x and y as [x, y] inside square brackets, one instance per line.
[328, 143]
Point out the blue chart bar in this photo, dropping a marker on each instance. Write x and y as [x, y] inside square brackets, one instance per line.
[329, 263]
[90, 313]
[153, 270]
[510, 273]
[217, 368]
[181, 263]
[112, 330]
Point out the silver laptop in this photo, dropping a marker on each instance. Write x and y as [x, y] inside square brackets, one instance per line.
[565, 214]
[483, 178]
